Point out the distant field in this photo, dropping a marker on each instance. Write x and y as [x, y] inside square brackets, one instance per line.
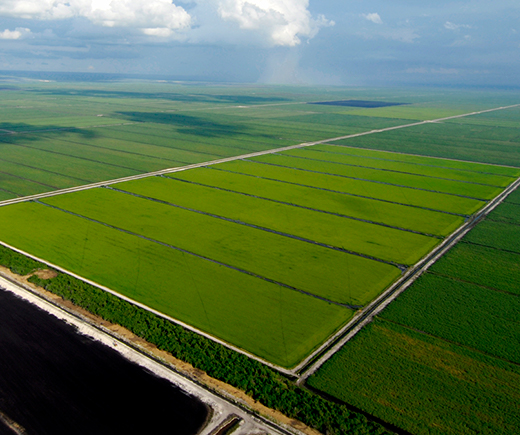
[443, 358]
[454, 140]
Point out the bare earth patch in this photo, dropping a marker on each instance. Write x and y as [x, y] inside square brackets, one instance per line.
[46, 274]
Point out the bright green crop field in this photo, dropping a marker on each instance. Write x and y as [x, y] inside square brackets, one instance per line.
[277, 324]
[381, 191]
[396, 178]
[398, 215]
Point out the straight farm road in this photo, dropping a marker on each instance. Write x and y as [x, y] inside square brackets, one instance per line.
[312, 363]
[239, 157]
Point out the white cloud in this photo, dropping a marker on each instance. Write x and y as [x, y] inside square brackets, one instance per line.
[374, 17]
[284, 21]
[160, 15]
[18, 33]
[268, 22]
[451, 26]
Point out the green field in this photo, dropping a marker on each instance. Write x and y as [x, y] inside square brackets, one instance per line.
[359, 207]
[324, 252]
[443, 358]
[396, 178]
[314, 269]
[488, 267]
[276, 323]
[381, 191]
[423, 384]
[324, 229]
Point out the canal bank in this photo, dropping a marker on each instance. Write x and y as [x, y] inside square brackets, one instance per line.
[223, 399]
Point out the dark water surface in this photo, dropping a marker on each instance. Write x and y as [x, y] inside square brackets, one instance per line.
[55, 381]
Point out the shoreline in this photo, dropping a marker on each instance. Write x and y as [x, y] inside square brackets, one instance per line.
[207, 386]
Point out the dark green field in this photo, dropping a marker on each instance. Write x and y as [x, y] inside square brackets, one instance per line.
[444, 356]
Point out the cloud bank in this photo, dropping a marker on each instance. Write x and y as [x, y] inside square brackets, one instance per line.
[279, 22]
[285, 21]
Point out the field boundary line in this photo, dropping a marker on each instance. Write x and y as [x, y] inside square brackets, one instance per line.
[245, 156]
[365, 316]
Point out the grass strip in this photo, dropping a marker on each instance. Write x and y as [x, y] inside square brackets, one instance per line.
[381, 176]
[419, 198]
[382, 161]
[412, 218]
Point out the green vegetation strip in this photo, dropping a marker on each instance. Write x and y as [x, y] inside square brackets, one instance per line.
[376, 241]
[411, 160]
[498, 235]
[388, 177]
[257, 380]
[324, 272]
[381, 161]
[274, 323]
[401, 195]
[415, 219]
[482, 265]
[422, 384]
[461, 312]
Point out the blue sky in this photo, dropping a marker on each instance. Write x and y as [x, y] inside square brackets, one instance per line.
[336, 42]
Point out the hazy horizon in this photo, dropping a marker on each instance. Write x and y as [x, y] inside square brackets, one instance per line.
[370, 43]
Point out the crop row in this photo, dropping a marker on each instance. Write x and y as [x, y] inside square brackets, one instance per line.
[507, 213]
[439, 164]
[392, 162]
[481, 265]
[393, 214]
[402, 195]
[378, 241]
[498, 235]
[461, 312]
[378, 175]
[315, 269]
